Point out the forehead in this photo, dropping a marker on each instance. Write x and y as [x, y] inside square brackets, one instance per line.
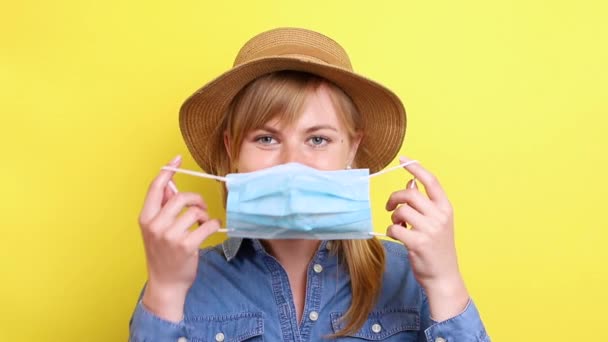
[317, 109]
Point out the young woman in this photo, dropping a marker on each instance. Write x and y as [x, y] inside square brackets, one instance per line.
[292, 97]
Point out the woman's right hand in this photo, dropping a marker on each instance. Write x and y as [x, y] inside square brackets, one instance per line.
[171, 248]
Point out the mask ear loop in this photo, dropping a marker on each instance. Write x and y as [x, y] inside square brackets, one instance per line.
[194, 173]
[197, 174]
[402, 165]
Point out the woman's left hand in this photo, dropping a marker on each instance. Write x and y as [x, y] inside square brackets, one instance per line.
[430, 241]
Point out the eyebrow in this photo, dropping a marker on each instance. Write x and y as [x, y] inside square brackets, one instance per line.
[269, 129]
[320, 127]
[308, 130]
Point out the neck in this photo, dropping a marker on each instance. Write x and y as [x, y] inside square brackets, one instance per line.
[293, 255]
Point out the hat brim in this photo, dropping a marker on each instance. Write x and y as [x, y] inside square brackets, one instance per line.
[384, 114]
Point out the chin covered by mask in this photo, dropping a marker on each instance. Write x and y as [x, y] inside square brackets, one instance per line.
[293, 201]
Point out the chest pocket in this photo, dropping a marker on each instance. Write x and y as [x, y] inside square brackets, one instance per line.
[401, 324]
[242, 326]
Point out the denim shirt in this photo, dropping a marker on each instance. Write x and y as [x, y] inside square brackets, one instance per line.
[242, 293]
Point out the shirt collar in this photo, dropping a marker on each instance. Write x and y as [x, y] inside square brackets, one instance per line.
[231, 247]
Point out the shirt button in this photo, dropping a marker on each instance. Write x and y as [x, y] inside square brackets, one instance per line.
[328, 245]
[219, 337]
[440, 339]
[318, 268]
[376, 328]
[313, 316]
[182, 339]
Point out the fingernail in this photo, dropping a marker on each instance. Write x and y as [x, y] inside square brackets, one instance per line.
[413, 184]
[403, 159]
[173, 187]
[176, 160]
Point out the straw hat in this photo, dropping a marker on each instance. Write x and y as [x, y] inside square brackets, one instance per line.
[299, 50]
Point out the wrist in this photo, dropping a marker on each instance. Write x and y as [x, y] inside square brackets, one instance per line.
[447, 298]
[165, 302]
[444, 286]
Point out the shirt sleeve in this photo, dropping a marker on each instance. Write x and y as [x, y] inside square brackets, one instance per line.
[465, 327]
[144, 326]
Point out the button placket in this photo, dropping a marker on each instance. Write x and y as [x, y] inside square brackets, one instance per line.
[314, 287]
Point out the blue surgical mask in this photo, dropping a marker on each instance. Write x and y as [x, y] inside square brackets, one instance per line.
[294, 201]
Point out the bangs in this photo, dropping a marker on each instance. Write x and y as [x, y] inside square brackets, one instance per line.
[279, 95]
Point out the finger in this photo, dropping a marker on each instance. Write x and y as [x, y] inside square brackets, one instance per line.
[414, 198]
[186, 220]
[170, 191]
[154, 197]
[178, 202]
[406, 236]
[406, 214]
[198, 236]
[430, 182]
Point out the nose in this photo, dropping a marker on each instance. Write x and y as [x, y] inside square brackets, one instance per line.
[290, 153]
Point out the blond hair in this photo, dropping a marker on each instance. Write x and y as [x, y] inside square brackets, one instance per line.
[282, 95]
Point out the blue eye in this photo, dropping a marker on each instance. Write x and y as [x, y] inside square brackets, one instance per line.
[265, 140]
[318, 141]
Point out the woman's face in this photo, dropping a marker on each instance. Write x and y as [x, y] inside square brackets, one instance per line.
[318, 138]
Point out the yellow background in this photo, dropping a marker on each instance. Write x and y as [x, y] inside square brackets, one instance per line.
[506, 102]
